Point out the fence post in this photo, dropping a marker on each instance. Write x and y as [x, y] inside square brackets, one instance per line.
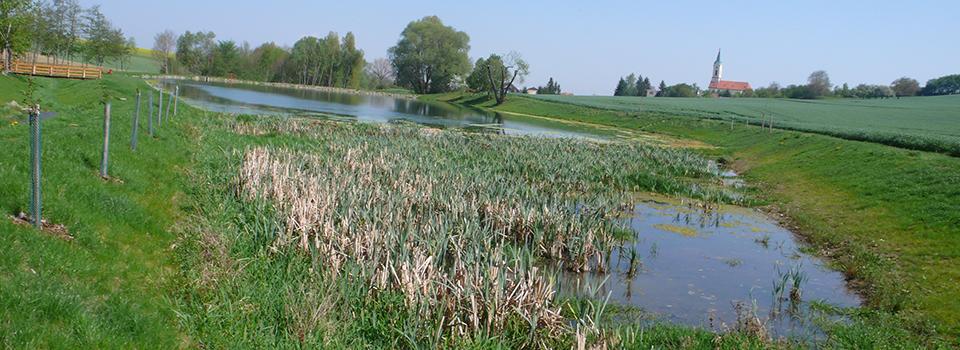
[150, 120]
[36, 202]
[176, 99]
[160, 109]
[169, 102]
[106, 141]
[136, 124]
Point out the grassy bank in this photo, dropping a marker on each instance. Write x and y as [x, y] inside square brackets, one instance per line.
[105, 287]
[888, 217]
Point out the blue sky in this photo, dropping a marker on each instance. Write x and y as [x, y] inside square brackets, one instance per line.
[587, 46]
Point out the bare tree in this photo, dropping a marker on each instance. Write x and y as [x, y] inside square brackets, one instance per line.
[163, 46]
[381, 72]
[502, 72]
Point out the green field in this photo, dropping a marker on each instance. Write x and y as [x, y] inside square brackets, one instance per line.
[921, 123]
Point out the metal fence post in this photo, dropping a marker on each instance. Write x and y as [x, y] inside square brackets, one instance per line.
[176, 99]
[169, 102]
[136, 124]
[106, 141]
[35, 197]
[150, 120]
[160, 110]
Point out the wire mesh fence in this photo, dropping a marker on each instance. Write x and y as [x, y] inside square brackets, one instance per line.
[36, 202]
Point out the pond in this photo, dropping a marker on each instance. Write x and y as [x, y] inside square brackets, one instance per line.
[712, 268]
[255, 99]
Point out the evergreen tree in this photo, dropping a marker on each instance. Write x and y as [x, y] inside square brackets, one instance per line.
[621, 88]
[663, 89]
[552, 88]
[643, 84]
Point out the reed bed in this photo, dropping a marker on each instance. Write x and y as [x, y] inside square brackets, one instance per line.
[463, 226]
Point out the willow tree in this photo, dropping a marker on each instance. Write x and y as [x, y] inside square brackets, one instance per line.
[430, 55]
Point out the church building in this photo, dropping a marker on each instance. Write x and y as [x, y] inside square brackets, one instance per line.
[719, 86]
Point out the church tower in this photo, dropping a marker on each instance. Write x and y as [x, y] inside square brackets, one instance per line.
[717, 69]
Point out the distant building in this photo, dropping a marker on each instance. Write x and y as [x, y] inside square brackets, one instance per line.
[718, 86]
[532, 91]
[566, 94]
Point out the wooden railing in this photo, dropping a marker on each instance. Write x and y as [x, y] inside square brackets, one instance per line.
[55, 70]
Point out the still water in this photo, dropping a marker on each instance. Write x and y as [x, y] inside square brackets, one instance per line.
[698, 267]
[251, 99]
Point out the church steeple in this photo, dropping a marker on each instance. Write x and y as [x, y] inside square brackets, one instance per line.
[717, 69]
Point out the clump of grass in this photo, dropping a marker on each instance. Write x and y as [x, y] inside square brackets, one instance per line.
[457, 224]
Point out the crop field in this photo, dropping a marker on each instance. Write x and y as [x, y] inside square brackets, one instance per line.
[920, 123]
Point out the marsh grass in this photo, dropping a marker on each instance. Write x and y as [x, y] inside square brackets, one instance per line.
[459, 225]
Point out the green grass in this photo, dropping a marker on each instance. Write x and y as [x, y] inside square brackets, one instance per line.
[920, 123]
[887, 217]
[107, 287]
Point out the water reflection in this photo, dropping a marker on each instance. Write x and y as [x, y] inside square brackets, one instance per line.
[709, 267]
[251, 99]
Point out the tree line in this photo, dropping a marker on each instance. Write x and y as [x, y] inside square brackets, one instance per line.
[638, 85]
[632, 85]
[327, 61]
[429, 57]
[61, 31]
[819, 86]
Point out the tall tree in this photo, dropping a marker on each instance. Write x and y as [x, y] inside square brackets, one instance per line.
[331, 58]
[819, 84]
[195, 51]
[351, 62]
[14, 31]
[430, 55]
[103, 41]
[226, 59]
[503, 71]
[662, 90]
[164, 44]
[905, 87]
[267, 62]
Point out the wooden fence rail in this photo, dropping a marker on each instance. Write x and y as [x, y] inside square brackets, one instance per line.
[55, 70]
